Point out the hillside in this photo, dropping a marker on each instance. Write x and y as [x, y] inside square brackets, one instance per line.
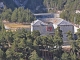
[32, 5]
[43, 5]
[68, 7]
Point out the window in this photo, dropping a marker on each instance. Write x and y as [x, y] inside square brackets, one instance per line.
[49, 28]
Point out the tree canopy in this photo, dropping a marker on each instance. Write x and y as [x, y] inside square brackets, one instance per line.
[19, 15]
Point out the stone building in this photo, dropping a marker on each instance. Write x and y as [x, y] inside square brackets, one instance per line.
[43, 28]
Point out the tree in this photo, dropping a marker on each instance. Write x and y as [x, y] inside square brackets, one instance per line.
[14, 17]
[9, 38]
[11, 53]
[58, 37]
[65, 56]
[60, 4]
[73, 56]
[58, 42]
[78, 34]
[78, 42]
[35, 33]
[1, 55]
[70, 37]
[20, 14]
[29, 16]
[6, 15]
[34, 56]
[1, 24]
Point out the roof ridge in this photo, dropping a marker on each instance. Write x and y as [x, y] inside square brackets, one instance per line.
[67, 22]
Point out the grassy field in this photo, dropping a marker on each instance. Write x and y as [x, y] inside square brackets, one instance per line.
[17, 25]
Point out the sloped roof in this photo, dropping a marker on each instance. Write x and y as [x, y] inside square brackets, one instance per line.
[57, 21]
[64, 22]
[39, 22]
[53, 20]
[43, 14]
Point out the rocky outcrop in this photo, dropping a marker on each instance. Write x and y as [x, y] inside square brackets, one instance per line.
[20, 3]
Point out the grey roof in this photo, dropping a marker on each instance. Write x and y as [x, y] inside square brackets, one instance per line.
[39, 22]
[43, 14]
[53, 20]
[56, 21]
[64, 22]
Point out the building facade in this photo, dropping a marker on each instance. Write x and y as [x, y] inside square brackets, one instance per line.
[64, 25]
[43, 28]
